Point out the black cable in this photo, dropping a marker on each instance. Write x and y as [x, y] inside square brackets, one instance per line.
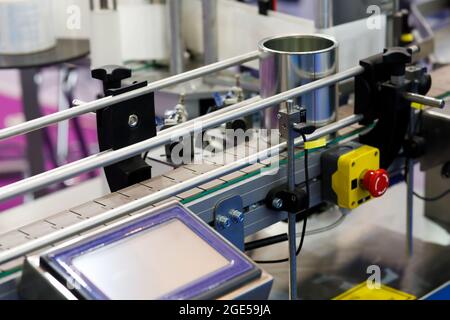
[335, 224]
[417, 128]
[265, 242]
[261, 243]
[431, 199]
[300, 246]
[296, 253]
[306, 167]
[427, 199]
[423, 198]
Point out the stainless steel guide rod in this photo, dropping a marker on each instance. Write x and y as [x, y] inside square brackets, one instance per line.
[144, 202]
[428, 101]
[106, 158]
[56, 117]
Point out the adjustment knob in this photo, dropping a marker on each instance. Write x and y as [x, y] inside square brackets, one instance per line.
[111, 76]
[376, 182]
[397, 58]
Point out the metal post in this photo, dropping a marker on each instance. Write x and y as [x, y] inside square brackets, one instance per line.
[31, 110]
[410, 194]
[292, 236]
[62, 140]
[392, 31]
[324, 14]
[292, 232]
[213, 120]
[144, 202]
[210, 31]
[176, 37]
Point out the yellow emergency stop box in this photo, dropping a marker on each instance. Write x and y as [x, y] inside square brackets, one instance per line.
[343, 168]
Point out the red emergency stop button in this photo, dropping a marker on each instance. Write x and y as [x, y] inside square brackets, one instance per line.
[376, 182]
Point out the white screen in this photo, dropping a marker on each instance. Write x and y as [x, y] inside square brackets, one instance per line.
[151, 263]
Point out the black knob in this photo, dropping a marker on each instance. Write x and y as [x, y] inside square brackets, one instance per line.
[414, 147]
[445, 172]
[397, 58]
[111, 76]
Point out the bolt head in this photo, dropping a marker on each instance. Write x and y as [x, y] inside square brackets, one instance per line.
[277, 203]
[133, 120]
[237, 216]
[223, 222]
[278, 116]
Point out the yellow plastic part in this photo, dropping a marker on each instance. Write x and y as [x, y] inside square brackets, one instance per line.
[417, 106]
[364, 292]
[351, 168]
[314, 144]
[407, 37]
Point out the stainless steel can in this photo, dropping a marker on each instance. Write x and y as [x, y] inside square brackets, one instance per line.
[290, 61]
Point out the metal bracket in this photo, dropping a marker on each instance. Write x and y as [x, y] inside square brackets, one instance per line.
[229, 220]
[287, 121]
[123, 124]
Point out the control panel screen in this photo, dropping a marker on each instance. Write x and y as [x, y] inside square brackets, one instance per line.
[140, 267]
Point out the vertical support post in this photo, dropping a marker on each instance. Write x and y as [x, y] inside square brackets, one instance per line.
[410, 194]
[62, 138]
[31, 110]
[392, 32]
[176, 38]
[292, 233]
[210, 31]
[324, 14]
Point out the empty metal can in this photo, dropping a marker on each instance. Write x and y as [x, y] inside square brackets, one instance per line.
[291, 61]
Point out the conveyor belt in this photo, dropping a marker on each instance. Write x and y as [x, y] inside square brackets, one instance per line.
[92, 208]
[9, 240]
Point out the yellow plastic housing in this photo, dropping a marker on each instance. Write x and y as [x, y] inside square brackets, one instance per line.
[346, 181]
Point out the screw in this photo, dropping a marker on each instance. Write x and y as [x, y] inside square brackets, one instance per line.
[181, 99]
[77, 102]
[290, 105]
[236, 215]
[238, 80]
[223, 222]
[277, 203]
[133, 120]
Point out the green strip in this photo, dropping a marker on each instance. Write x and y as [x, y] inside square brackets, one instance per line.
[444, 95]
[137, 66]
[298, 155]
[222, 186]
[9, 272]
